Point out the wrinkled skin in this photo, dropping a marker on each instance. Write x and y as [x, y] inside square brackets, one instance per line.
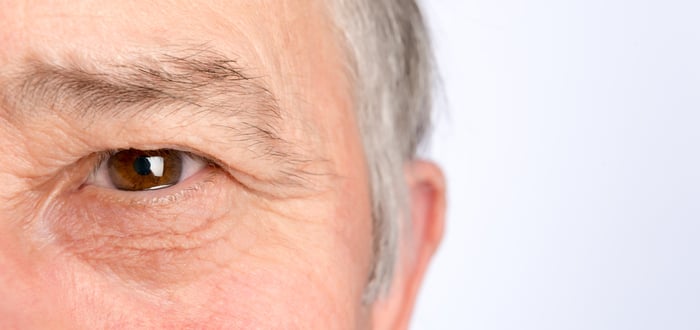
[236, 244]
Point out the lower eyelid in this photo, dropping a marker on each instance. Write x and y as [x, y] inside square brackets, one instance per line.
[107, 210]
[160, 243]
[204, 178]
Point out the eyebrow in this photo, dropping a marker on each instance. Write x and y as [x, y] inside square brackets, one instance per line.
[204, 79]
[202, 82]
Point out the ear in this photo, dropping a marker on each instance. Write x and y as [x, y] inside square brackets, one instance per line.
[419, 241]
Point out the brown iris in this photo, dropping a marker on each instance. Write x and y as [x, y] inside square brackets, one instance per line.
[135, 170]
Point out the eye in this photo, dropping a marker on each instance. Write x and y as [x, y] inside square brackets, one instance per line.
[139, 170]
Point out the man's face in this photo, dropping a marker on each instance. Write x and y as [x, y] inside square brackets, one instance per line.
[172, 164]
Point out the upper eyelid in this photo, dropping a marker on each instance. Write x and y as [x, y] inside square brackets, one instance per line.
[100, 156]
[100, 159]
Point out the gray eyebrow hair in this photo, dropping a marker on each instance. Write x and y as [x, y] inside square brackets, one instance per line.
[201, 82]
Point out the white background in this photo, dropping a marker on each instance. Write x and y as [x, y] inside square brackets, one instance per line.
[570, 135]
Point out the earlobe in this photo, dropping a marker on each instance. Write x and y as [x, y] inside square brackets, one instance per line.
[418, 243]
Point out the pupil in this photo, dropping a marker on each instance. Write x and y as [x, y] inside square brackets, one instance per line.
[142, 166]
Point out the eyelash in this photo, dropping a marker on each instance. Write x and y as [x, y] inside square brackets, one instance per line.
[167, 195]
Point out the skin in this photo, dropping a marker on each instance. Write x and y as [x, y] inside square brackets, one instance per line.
[246, 241]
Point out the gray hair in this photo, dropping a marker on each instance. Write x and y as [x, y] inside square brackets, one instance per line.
[390, 64]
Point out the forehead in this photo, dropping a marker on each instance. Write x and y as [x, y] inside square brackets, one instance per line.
[288, 43]
[99, 23]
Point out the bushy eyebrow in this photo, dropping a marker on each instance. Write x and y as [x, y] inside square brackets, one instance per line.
[205, 81]
[202, 83]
